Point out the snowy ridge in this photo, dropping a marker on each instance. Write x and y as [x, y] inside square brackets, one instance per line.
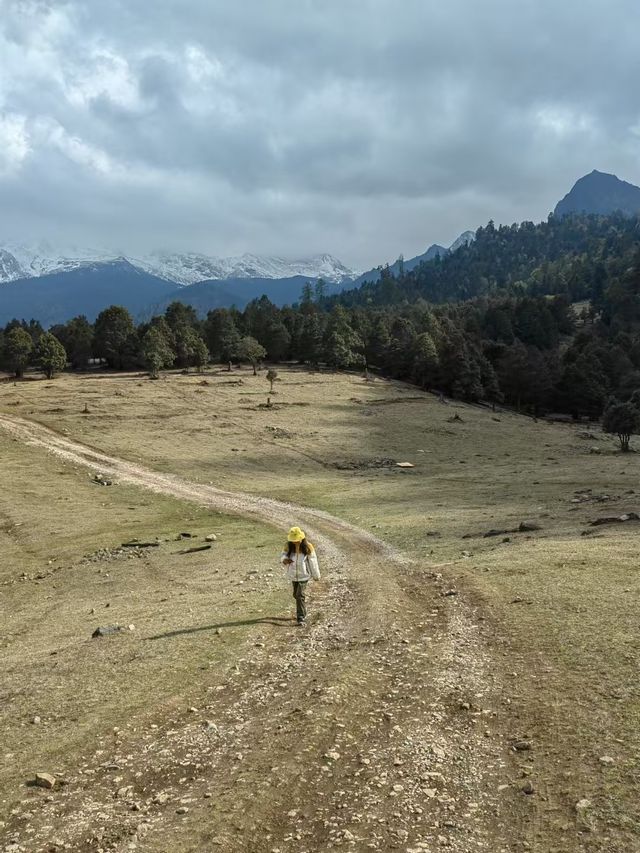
[191, 268]
[463, 240]
[26, 261]
[22, 261]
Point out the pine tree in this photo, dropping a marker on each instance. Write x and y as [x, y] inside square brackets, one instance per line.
[623, 420]
[76, 337]
[342, 346]
[50, 355]
[114, 337]
[221, 335]
[18, 347]
[425, 361]
[156, 352]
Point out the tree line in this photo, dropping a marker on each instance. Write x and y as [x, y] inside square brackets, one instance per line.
[520, 341]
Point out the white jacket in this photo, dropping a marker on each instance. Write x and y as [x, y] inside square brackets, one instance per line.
[304, 567]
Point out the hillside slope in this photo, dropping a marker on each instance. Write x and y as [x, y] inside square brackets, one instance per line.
[477, 695]
[57, 297]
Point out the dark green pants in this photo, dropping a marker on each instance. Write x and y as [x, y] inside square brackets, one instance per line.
[299, 588]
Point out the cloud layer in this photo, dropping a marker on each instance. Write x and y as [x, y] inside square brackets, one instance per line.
[364, 128]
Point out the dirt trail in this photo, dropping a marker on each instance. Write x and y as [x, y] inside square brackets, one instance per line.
[275, 513]
[379, 727]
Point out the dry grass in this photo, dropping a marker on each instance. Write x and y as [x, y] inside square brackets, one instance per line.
[571, 641]
[55, 590]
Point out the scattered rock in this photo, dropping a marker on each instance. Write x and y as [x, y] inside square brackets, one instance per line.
[615, 519]
[105, 630]
[405, 465]
[211, 538]
[606, 760]
[101, 480]
[161, 798]
[45, 780]
[584, 816]
[36, 721]
[522, 745]
[528, 527]
[358, 465]
[527, 788]
[182, 810]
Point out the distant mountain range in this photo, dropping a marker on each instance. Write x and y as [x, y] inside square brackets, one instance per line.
[22, 261]
[600, 193]
[432, 252]
[58, 296]
[52, 285]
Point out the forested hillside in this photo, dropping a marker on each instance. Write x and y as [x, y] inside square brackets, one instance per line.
[496, 321]
[574, 256]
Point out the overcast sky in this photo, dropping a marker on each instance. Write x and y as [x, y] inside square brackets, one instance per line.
[362, 128]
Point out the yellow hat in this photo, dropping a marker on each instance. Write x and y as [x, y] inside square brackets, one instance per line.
[296, 535]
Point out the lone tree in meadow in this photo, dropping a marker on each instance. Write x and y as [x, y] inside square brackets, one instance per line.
[271, 377]
[623, 420]
[51, 356]
[252, 351]
[156, 352]
[18, 347]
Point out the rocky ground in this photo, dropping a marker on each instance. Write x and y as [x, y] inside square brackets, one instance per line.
[384, 724]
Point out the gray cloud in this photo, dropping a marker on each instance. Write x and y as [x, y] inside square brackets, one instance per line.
[364, 129]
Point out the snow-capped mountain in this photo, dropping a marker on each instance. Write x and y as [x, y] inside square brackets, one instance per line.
[19, 261]
[191, 268]
[463, 240]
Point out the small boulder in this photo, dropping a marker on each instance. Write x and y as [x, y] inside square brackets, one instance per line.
[211, 538]
[528, 527]
[45, 780]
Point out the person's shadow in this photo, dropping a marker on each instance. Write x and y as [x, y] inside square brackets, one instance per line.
[278, 621]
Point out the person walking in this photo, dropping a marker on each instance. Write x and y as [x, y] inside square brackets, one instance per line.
[301, 562]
